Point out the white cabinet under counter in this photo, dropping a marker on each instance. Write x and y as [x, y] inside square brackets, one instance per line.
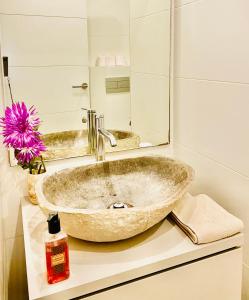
[161, 263]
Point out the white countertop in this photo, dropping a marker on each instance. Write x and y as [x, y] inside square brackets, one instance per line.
[97, 266]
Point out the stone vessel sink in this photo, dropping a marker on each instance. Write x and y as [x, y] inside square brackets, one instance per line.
[74, 143]
[84, 196]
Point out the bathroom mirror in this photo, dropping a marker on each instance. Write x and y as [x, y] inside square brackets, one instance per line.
[112, 56]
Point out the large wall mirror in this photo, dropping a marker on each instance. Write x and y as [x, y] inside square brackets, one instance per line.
[112, 56]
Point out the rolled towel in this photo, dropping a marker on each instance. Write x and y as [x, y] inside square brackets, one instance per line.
[203, 220]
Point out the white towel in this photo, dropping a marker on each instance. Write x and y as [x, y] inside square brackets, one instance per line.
[203, 220]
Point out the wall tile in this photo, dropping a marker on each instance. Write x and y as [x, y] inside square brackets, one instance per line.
[228, 188]
[117, 105]
[212, 118]
[16, 269]
[108, 17]
[43, 41]
[184, 2]
[1, 259]
[215, 50]
[140, 8]
[3, 157]
[245, 291]
[110, 105]
[49, 89]
[72, 8]
[150, 107]
[150, 44]
[64, 121]
[13, 187]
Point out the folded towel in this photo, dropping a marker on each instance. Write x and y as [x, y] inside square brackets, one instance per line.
[111, 61]
[203, 220]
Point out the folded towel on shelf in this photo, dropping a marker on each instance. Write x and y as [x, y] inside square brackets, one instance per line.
[203, 220]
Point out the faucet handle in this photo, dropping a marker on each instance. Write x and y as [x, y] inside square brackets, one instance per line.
[84, 120]
[101, 121]
[89, 110]
[83, 86]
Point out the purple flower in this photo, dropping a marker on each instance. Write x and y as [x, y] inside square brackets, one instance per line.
[26, 154]
[20, 131]
[19, 125]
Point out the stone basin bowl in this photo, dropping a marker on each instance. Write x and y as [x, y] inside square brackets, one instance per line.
[74, 143]
[149, 186]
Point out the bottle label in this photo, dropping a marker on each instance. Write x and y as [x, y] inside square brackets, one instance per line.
[58, 259]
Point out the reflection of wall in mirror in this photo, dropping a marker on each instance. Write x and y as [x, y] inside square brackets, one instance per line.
[108, 29]
[47, 56]
[109, 43]
[150, 53]
[114, 106]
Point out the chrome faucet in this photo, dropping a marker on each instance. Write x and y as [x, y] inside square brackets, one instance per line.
[103, 134]
[97, 135]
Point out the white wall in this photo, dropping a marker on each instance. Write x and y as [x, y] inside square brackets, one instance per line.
[12, 189]
[150, 55]
[47, 46]
[211, 104]
[2, 242]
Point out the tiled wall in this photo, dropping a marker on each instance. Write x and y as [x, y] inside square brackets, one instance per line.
[12, 189]
[211, 104]
[150, 54]
[2, 243]
[47, 46]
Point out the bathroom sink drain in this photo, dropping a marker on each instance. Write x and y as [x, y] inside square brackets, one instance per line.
[119, 205]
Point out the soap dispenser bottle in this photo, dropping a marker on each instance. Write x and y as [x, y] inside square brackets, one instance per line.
[57, 257]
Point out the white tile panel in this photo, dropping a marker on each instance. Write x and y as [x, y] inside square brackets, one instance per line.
[150, 44]
[150, 107]
[43, 41]
[65, 8]
[140, 8]
[108, 17]
[49, 89]
[62, 121]
[212, 118]
[211, 40]
[16, 269]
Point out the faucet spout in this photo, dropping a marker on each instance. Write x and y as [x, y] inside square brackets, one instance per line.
[97, 134]
[110, 137]
[103, 134]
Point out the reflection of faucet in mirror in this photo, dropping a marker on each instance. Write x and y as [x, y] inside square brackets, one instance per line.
[102, 133]
[97, 134]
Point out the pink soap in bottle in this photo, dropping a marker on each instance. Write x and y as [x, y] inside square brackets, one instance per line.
[57, 257]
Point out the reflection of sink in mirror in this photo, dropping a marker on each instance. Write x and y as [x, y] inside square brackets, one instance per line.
[114, 200]
[74, 143]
